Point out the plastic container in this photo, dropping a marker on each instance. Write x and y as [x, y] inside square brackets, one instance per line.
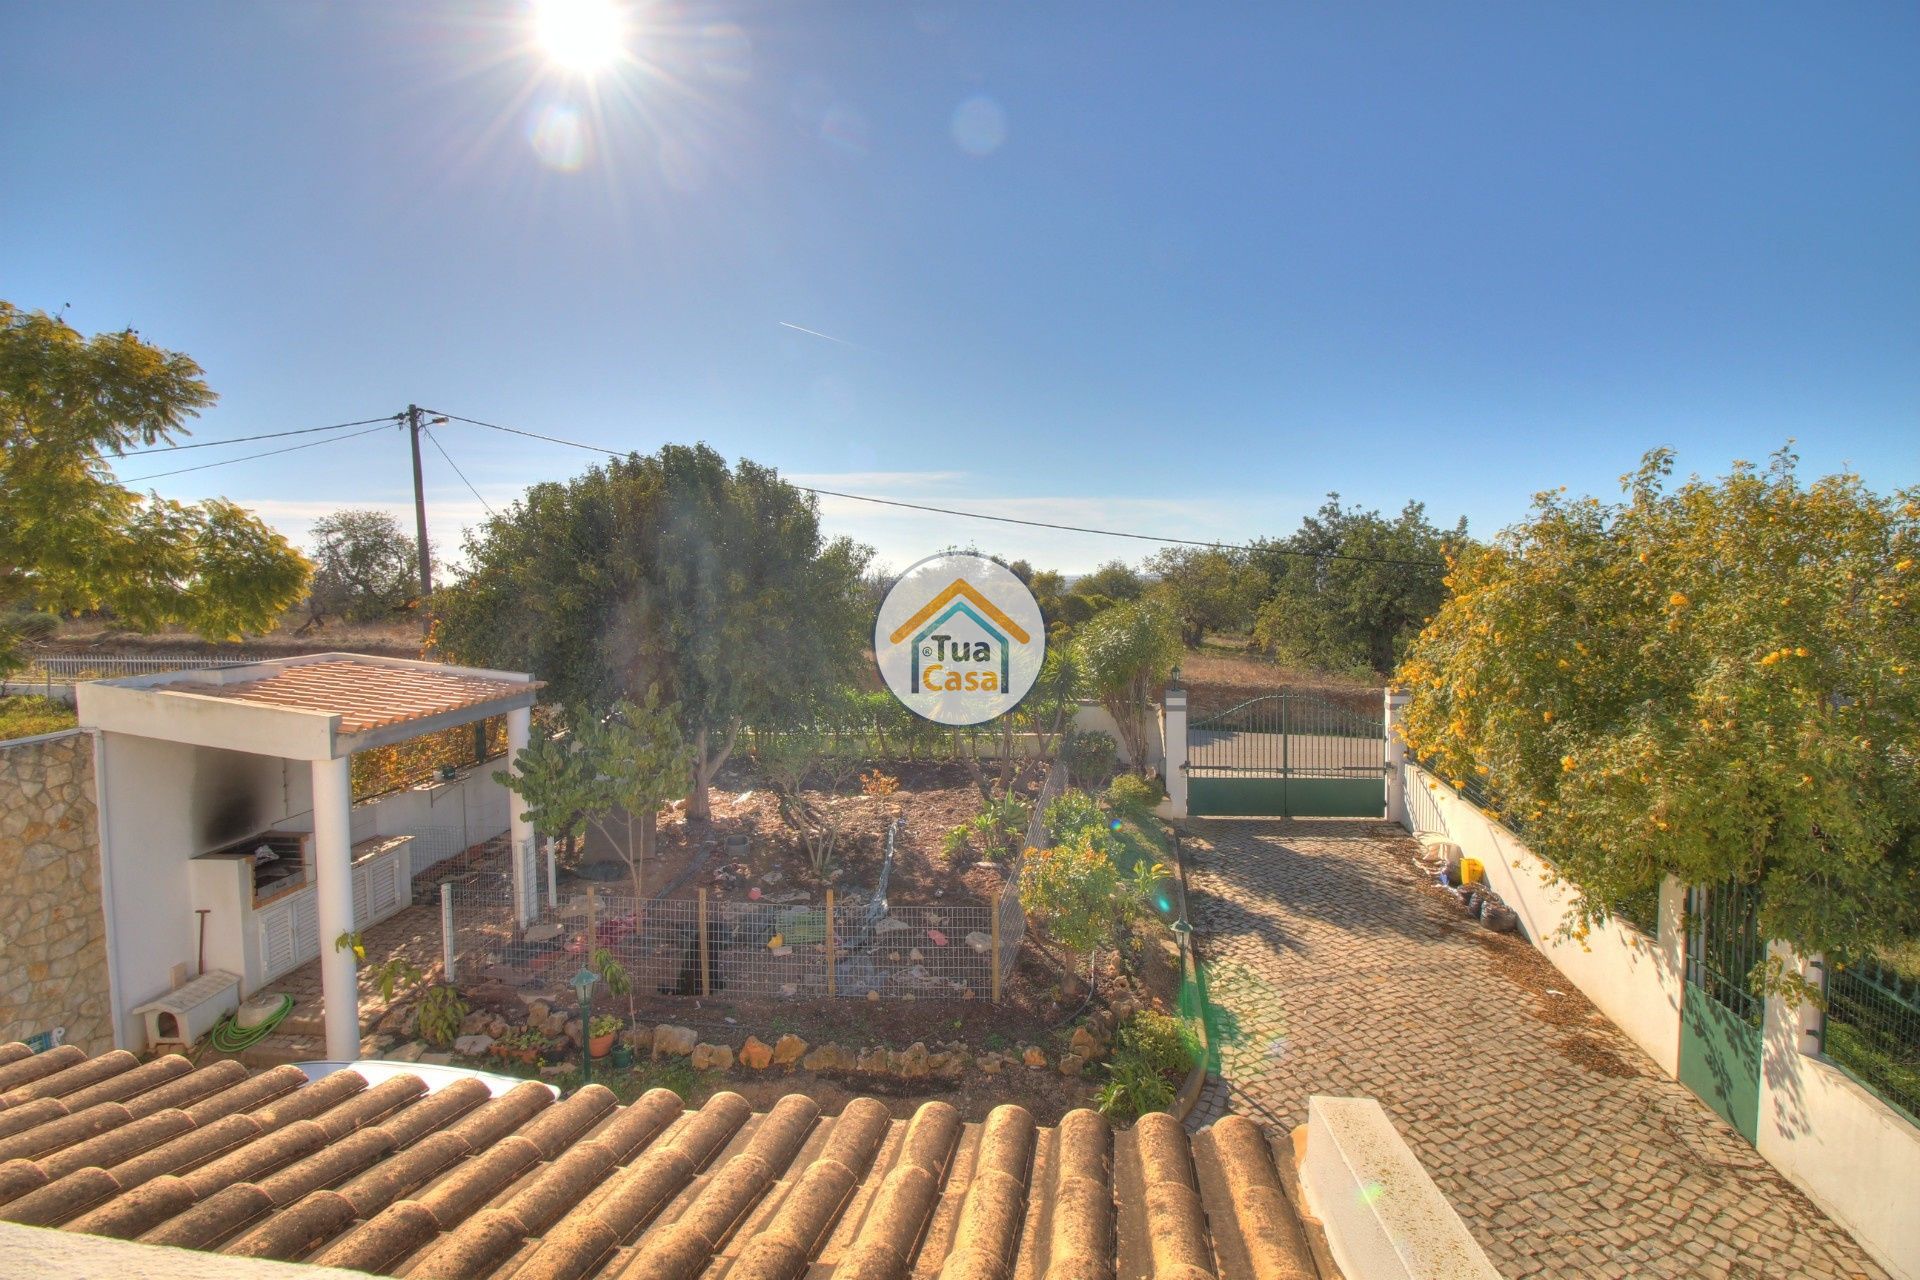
[1472, 872]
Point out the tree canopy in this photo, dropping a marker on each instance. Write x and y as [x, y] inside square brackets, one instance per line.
[365, 566]
[713, 582]
[1352, 614]
[1717, 681]
[1124, 656]
[73, 538]
[1207, 589]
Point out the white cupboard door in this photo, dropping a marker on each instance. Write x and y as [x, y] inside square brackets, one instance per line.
[277, 952]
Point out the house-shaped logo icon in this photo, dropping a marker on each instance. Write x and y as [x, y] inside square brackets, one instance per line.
[933, 648]
[959, 639]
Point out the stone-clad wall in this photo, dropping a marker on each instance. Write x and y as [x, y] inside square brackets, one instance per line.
[53, 934]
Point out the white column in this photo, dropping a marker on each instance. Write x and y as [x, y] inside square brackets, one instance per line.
[333, 900]
[1173, 736]
[1395, 702]
[519, 830]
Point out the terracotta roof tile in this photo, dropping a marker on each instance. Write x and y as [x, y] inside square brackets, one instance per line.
[398, 1180]
[366, 695]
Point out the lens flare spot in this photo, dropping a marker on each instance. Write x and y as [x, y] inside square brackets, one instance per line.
[559, 137]
[1370, 1192]
[979, 125]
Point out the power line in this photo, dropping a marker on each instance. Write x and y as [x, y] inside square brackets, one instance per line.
[981, 515]
[269, 435]
[292, 448]
[463, 475]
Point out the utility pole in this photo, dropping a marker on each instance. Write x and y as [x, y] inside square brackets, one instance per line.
[420, 520]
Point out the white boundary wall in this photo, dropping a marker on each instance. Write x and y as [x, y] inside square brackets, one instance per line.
[1633, 979]
[1852, 1154]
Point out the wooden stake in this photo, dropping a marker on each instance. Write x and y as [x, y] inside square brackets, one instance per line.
[706, 978]
[996, 951]
[832, 986]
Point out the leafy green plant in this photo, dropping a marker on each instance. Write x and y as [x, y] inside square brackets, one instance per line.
[1091, 757]
[1133, 794]
[442, 1009]
[1126, 654]
[1072, 891]
[1133, 1088]
[394, 974]
[1074, 814]
[995, 832]
[603, 1024]
[1162, 1040]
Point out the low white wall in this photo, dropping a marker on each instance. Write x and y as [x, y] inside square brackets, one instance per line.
[1854, 1156]
[1384, 1217]
[1091, 717]
[1635, 980]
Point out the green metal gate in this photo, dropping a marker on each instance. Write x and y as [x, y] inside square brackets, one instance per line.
[1721, 1015]
[1287, 755]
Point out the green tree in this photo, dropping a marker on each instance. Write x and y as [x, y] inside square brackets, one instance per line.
[365, 567]
[1124, 657]
[1115, 580]
[1719, 681]
[1207, 589]
[72, 538]
[618, 767]
[1352, 614]
[713, 582]
[1077, 896]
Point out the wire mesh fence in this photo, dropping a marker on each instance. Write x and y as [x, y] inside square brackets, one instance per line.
[705, 946]
[1873, 1029]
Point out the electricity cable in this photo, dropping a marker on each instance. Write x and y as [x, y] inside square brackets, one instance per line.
[268, 435]
[981, 515]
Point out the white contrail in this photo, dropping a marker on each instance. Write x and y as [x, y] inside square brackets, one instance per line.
[800, 328]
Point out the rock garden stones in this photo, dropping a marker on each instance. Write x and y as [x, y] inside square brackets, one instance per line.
[712, 1057]
[789, 1049]
[756, 1054]
[678, 1041]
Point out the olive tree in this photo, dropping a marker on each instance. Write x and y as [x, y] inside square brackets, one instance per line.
[1718, 681]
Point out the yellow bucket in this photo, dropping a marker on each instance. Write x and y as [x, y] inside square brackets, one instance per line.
[1471, 871]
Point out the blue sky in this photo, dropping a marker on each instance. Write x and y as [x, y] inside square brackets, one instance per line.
[1176, 268]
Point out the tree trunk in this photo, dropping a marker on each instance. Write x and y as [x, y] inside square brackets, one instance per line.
[699, 806]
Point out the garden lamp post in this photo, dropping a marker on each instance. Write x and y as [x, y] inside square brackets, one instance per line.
[583, 987]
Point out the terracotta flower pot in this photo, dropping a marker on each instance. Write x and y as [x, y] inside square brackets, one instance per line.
[600, 1046]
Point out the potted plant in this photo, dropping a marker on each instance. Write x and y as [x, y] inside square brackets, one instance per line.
[520, 1045]
[600, 1034]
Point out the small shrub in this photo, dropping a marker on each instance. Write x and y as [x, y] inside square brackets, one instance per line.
[1132, 794]
[1133, 1088]
[1091, 757]
[442, 1009]
[603, 1024]
[1072, 815]
[1073, 891]
[1162, 1040]
[995, 832]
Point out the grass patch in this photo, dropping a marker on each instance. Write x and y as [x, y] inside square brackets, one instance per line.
[24, 715]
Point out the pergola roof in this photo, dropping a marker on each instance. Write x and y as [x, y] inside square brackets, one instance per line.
[311, 707]
[366, 696]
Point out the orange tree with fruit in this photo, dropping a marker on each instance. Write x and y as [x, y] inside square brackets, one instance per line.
[1715, 680]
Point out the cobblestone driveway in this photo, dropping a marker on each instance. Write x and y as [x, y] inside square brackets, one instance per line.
[1567, 1153]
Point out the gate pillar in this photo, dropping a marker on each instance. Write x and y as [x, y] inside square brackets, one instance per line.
[1394, 701]
[1173, 737]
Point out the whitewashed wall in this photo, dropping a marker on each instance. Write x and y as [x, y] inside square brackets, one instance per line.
[1634, 979]
[1852, 1154]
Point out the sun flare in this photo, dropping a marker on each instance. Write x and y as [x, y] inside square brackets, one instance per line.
[582, 36]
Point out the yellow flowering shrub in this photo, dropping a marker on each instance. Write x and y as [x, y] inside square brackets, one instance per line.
[1708, 679]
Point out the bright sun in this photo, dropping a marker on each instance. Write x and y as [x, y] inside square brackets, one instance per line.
[579, 35]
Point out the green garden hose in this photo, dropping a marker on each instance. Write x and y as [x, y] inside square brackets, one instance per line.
[229, 1037]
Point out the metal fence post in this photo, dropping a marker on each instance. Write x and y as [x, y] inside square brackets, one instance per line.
[446, 930]
[553, 877]
[706, 977]
[832, 986]
[593, 928]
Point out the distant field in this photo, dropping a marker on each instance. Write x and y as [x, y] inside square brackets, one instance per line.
[1222, 674]
[398, 639]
